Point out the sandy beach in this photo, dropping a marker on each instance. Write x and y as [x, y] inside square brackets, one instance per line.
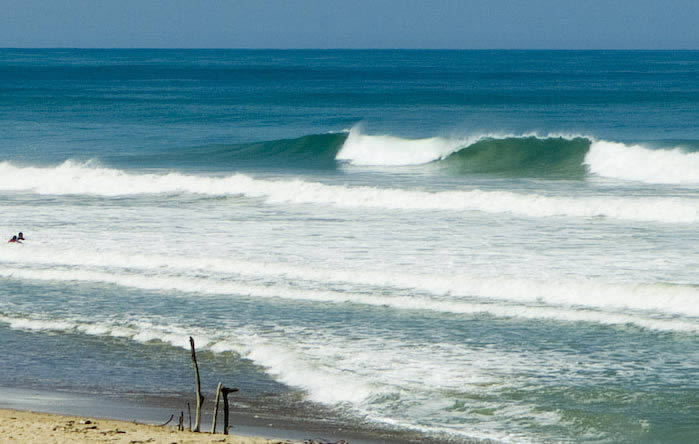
[31, 427]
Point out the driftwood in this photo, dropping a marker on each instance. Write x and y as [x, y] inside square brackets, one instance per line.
[189, 412]
[166, 422]
[218, 396]
[320, 441]
[200, 398]
[225, 391]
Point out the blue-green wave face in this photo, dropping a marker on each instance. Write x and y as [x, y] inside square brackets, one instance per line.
[555, 158]
[317, 151]
[313, 152]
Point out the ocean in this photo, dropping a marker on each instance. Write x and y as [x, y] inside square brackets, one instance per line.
[462, 245]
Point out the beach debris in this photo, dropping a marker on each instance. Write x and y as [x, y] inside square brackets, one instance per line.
[322, 441]
[200, 398]
[218, 396]
[166, 422]
[180, 423]
[112, 432]
[225, 391]
[85, 421]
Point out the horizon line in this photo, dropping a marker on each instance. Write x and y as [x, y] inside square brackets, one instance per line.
[335, 49]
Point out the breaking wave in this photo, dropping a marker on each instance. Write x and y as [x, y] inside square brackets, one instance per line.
[549, 156]
[71, 178]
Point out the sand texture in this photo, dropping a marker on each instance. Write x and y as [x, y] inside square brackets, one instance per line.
[29, 427]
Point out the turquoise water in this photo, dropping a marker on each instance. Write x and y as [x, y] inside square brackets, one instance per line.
[471, 244]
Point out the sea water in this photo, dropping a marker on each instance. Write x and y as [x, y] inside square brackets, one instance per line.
[467, 244]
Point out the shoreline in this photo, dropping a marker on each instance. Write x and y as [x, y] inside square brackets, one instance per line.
[150, 412]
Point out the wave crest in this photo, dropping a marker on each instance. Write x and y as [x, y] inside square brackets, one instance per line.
[527, 155]
[370, 150]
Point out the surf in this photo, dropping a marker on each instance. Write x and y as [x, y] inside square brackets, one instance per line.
[71, 178]
[551, 156]
[650, 305]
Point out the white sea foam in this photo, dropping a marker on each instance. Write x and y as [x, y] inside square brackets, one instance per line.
[639, 163]
[327, 384]
[568, 302]
[386, 150]
[282, 361]
[72, 178]
[655, 298]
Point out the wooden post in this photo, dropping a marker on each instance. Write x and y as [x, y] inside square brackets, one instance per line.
[200, 398]
[218, 396]
[180, 423]
[189, 413]
[226, 391]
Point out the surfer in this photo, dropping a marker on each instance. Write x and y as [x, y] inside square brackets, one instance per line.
[20, 236]
[14, 240]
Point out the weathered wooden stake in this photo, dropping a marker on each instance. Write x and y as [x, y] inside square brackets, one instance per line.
[180, 423]
[189, 413]
[200, 398]
[226, 391]
[218, 396]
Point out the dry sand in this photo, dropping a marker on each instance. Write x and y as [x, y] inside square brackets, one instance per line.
[29, 427]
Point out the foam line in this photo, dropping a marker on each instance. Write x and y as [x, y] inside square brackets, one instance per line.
[285, 364]
[72, 178]
[453, 305]
[654, 298]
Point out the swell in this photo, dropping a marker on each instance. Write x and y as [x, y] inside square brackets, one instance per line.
[314, 151]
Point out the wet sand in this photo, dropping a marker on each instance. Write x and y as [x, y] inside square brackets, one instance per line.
[267, 426]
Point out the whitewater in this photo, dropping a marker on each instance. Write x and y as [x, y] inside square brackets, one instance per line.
[427, 246]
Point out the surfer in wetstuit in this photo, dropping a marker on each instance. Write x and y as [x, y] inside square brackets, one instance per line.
[14, 240]
[20, 236]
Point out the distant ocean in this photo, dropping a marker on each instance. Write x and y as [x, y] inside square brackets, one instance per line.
[467, 244]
